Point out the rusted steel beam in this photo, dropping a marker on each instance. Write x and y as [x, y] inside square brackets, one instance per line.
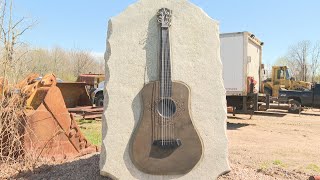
[85, 109]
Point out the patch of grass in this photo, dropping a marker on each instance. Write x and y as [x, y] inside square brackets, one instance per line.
[84, 121]
[264, 166]
[278, 163]
[313, 167]
[91, 129]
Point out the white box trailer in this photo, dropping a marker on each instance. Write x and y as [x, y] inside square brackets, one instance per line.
[241, 56]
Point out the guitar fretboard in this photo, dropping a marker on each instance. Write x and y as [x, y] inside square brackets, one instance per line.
[165, 64]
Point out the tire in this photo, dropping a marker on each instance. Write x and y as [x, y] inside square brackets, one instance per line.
[99, 100]
[295, 107]
[90, 93]
[268, 91]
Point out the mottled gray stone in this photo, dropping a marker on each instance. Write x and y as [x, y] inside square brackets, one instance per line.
[132, 61]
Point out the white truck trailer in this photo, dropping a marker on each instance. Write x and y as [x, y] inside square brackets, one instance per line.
[241, 56]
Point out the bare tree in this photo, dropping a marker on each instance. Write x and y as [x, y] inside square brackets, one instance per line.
[11, 30]
[298, 54]
[66, 64]
[83, 62]
[315, 60]
[303, 60]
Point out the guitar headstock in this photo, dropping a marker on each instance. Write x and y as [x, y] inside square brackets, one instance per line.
[164, 17]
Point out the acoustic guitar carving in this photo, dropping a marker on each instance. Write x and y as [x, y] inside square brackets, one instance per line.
[165, 140]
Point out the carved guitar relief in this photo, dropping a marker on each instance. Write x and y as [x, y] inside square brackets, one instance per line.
[165, 141]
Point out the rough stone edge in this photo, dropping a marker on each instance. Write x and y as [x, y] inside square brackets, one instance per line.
[107, 55]
[104, 128]
[226, 155]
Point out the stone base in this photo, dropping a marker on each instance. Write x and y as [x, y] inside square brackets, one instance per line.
[132, 55]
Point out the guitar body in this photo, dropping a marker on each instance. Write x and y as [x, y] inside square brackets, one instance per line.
[165, 143]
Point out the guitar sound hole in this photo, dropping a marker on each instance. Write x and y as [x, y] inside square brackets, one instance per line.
[166, 108]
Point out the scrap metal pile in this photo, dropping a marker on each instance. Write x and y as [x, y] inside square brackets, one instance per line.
[78, 101]
[86, 112]
[50, 131]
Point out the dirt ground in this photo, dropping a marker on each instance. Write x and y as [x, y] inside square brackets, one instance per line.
[272, 145]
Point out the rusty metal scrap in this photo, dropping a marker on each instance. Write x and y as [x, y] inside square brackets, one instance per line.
[52, 131]
[74, 94]
[87, 112]
[29, 79]
[91, 79]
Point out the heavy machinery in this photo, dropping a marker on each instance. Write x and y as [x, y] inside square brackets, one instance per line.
[50, 131]
[280, 80]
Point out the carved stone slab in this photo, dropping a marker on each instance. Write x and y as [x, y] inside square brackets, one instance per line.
[132, 61]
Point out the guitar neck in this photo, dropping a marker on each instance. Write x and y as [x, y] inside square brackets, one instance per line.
[165, 64]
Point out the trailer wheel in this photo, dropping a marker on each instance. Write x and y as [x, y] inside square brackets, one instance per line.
[294, 106]
[99, 100]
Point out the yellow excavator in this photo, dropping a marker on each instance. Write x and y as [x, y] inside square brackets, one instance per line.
[281, 79]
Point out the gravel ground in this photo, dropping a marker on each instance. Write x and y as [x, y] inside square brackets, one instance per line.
[277, 146]
[84, 168]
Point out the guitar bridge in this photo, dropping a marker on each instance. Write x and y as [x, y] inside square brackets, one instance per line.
[167, 144]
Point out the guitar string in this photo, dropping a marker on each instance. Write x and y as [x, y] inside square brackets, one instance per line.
[162, 104]
[168, 85]
[170, 89]
[158, 129]
[156, 105]
[152, 115]
[165, 87]
[167, 79]
[165, 83]
[168, 94]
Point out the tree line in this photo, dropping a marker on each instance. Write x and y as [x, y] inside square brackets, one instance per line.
[18, 59]
[303, 59]
[65, 64]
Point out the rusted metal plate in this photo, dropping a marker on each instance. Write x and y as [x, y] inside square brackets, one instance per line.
[80, 107]
[45, 138]
[37, 97]
[52, 132]
[230, 109]
[86, 109]
[91, 79]
[87, 112]
[74, 94]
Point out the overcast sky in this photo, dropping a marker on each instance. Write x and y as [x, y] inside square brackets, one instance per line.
[83, 24]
